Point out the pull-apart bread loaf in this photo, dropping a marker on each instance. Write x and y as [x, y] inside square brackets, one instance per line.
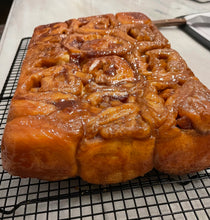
[105, 98]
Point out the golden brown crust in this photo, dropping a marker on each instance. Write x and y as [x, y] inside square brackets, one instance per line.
[105, 98]
[36, 147]
[185, 152]
[115, 160]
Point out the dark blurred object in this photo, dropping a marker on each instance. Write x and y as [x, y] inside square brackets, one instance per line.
[5, 6]
[4, 10]
[201, 1]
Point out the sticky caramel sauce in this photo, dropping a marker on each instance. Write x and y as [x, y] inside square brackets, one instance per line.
[119, 70]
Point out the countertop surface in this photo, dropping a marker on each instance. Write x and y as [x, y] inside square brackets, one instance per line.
[24, 16]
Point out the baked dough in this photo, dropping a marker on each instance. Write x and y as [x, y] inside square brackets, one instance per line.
[107, 99]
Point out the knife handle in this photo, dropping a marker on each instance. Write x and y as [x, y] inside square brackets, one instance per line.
[170, 22]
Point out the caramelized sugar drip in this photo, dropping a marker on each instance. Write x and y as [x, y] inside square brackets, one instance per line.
[119, 68]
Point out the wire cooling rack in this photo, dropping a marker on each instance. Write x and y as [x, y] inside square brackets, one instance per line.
[155, 196]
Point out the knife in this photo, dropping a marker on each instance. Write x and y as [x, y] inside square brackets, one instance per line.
[196, 25]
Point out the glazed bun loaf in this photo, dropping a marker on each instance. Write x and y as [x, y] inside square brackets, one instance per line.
[107, 99]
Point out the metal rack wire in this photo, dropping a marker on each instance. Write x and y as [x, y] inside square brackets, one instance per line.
[155, 196]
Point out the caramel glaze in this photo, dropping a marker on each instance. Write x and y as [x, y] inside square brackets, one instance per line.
[109, 78]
